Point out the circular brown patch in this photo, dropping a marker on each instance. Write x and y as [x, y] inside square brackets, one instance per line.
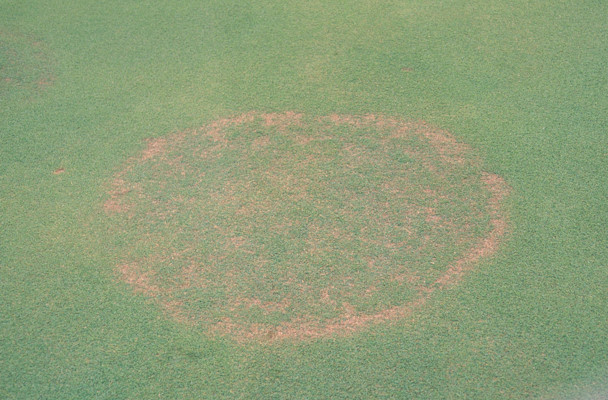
[269, 226]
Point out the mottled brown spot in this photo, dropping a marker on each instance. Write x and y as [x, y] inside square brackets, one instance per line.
[223, 256]
[154, 148]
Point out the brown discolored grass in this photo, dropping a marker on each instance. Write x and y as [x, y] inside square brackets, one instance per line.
[282, 119]
[274, 226]
[139, 280]
[154, 148]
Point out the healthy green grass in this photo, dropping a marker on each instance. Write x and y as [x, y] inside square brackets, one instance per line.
[523, 83]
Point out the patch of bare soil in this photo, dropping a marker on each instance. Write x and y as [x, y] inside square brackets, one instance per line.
[280, 226]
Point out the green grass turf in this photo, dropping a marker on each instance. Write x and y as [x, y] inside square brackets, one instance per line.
[522, 82]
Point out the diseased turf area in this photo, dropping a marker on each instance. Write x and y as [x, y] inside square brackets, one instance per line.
[273, 226]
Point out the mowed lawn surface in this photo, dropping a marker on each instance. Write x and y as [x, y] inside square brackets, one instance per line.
[84, 84]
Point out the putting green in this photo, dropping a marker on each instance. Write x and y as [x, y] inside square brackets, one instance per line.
[268, 226]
